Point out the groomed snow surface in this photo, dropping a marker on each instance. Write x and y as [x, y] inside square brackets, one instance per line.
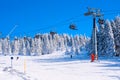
[58, 66]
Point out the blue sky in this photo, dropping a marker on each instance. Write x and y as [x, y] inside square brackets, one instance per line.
[43, 16]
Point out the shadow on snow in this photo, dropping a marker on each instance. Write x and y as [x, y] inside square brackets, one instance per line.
[61, 59]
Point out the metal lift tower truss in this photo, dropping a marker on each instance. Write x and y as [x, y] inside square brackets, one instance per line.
[95, 13]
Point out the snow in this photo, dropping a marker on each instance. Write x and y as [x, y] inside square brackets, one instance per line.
[58, 66]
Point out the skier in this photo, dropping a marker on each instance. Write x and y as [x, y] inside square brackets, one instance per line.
[17, 58]
[71, 56]
[92, 57]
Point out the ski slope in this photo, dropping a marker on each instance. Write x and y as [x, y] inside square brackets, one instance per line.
[59, 67]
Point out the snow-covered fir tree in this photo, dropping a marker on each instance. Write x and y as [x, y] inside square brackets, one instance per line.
[15, 47]
[101, 40]
[109, 39]
[21, 45]
[27, 45]
[73, 46]
[77, 44]
[51, 43]
[37, 46]
[6, 46]
[46, 44]
[105, 37]
[116, 29]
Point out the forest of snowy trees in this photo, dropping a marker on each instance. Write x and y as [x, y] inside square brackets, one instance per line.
[108, 42]
[108, 38]
[43, 44]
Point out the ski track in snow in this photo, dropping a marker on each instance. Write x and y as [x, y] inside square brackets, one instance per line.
[16, 72]
[59, 67]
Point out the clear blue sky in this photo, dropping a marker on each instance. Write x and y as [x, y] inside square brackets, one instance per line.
[33, 16]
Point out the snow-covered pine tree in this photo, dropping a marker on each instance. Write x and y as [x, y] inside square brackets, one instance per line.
[88, 46]
[83, 40]
[9, 47]
[101, 40]
[27, 45]
[73, 46]
[24, 46]
[116, 26]
[109, 39]
[33, 45]
[5, 46]
[61, 43]
[67, 44]
[37, 46]
[16, 46]
[20, 40]
[51, 43]
[77, 44]
[56, 42]
[46, 45]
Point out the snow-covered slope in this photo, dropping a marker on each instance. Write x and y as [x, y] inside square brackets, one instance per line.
[58, 66]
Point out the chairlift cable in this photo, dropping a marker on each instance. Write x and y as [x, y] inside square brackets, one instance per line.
[72, 19]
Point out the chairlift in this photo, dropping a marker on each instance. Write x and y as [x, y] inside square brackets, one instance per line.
[73, 27]
[37, 36]
[88, 13]
[101, 21]
[53, 32]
